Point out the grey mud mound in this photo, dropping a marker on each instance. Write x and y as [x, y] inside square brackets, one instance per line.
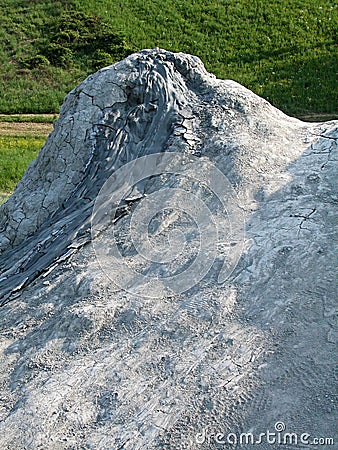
[88, 364]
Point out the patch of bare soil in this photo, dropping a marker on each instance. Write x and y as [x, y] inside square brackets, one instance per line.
[317, 117]
[25, 128]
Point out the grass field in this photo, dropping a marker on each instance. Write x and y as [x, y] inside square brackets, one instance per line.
[283, 50]
[28, 118]
[16, 153]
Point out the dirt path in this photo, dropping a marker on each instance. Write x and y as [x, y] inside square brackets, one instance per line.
[25, 128]
[26, 124]
[317, 117]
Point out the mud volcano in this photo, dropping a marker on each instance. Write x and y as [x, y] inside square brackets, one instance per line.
[167, 269]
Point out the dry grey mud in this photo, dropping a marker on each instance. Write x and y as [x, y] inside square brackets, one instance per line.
[109, 340]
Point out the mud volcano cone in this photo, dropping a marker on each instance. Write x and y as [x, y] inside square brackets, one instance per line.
[167, 269]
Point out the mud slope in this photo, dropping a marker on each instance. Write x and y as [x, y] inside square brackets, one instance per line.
[167, 269]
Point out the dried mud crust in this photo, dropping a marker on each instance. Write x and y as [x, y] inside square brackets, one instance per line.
[86, 365]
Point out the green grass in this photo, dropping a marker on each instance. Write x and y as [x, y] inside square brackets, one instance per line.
[283, 50]
[28, 118]
[16, 153]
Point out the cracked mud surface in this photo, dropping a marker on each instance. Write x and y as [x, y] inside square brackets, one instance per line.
[87, 365]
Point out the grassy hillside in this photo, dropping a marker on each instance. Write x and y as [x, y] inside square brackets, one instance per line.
[283, 50]
[16, 152]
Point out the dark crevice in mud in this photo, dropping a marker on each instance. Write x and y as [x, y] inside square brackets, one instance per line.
[326, 137]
